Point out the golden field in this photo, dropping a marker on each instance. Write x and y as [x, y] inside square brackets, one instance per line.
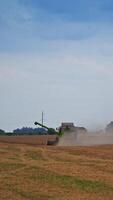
[29, 139]
[30, 172]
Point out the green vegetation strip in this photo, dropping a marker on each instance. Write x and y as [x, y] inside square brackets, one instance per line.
[5, 166]
[29, 194]
[34, 155]
[39, 174]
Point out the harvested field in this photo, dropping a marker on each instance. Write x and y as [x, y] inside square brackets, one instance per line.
[59, 173]
[35, 140]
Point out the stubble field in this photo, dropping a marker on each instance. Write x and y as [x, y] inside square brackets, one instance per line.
[30, 172]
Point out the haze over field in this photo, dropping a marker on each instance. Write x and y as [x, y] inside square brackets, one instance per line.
[56, 56]
[87, 139]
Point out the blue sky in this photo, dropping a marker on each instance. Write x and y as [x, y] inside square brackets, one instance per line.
[56, 56]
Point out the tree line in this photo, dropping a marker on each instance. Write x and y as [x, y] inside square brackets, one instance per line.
[24, 131]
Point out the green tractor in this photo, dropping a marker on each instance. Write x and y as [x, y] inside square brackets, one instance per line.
[51, 131]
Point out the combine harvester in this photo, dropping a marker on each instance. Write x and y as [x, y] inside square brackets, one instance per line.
[51, 131]
[66, 134]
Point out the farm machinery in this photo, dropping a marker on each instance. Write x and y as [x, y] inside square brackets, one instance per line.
[52, 131]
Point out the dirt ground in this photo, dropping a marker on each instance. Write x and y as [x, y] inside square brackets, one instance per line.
[30, 172]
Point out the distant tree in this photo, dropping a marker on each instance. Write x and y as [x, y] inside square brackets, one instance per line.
[51, 131]
[29, 131]
[2, 132]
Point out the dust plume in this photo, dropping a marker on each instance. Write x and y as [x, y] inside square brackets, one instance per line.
[85, 139]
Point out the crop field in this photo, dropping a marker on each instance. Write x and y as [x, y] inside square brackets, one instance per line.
[30, 172]
[35, 140]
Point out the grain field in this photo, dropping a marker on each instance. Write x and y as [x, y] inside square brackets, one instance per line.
[55, 173]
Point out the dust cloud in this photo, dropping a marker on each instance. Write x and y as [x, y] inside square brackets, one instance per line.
[85, 139]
